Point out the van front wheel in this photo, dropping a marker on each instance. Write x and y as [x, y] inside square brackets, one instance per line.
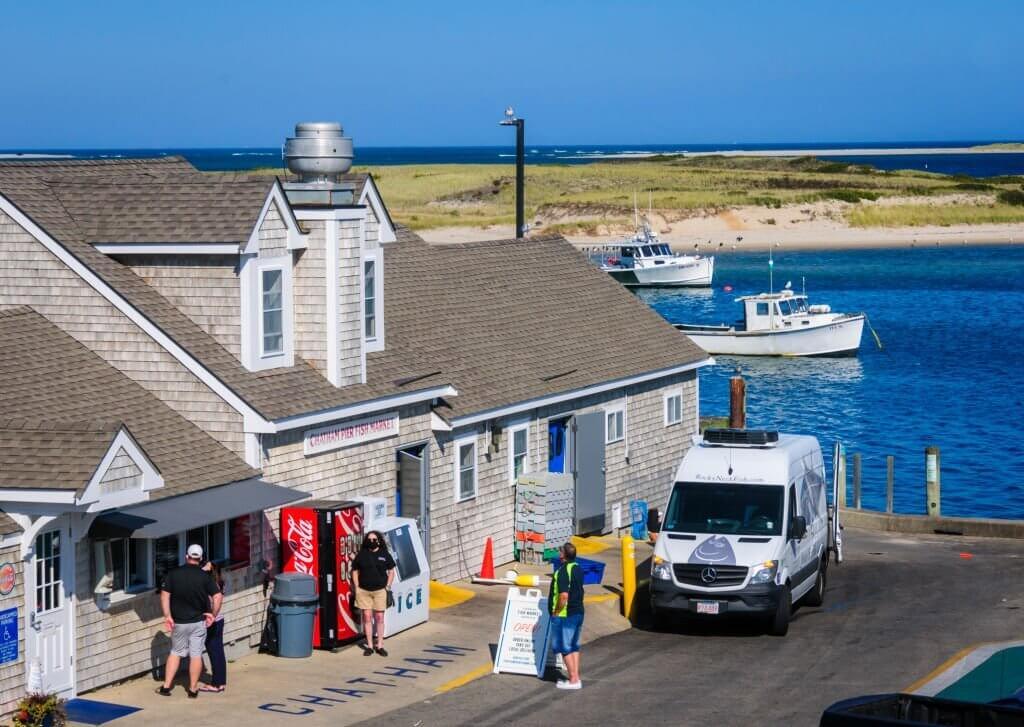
[816, 596]
[780, 621]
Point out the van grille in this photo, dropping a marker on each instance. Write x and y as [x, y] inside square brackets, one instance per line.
[725, 575]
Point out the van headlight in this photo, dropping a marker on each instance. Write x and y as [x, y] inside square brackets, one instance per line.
[765, 572]
[661, 569]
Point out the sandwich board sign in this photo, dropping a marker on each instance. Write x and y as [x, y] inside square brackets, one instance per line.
[523, 642]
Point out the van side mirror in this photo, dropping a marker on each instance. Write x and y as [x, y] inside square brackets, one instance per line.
[799, 527]
[653, 520]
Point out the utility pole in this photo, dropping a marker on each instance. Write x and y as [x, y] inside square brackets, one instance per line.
[520, 124]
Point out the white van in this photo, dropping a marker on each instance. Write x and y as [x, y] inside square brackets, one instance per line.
[745, 529]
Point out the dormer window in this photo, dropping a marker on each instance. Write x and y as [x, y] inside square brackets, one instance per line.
[272, 312]
[373, 300]
[267, 339]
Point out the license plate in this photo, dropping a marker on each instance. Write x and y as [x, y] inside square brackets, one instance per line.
[709, 607]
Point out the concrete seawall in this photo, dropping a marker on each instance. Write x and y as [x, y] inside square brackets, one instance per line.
[893, 523]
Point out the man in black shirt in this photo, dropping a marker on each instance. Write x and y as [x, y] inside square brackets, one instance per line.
[191, 601]
[566, 604]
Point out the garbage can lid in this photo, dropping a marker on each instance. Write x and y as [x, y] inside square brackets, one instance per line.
[291, 587]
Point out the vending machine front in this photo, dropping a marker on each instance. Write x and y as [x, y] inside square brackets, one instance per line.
[348, 538]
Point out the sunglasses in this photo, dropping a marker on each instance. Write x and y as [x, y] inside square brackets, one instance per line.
[372, 540]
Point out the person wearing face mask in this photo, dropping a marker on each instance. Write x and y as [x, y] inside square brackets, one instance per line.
[372, 574]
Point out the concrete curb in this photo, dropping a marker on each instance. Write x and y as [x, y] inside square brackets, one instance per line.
[922, 524]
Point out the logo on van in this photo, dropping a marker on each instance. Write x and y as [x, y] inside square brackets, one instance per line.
[715, 550]
[709, 575]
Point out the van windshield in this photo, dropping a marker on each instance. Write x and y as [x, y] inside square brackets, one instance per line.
[725, 508]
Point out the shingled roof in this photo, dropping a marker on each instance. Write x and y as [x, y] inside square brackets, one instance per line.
[515, 320]
[57, 394]
[34, 187]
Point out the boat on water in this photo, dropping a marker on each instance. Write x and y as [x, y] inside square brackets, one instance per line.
[645, 261]
[781, 324]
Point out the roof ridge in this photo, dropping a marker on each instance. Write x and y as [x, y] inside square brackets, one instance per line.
[17, 310]
[92, 426]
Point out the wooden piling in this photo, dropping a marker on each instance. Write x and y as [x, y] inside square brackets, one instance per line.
[737, 403]
[932, 476]
[856, 480]
[890, 476]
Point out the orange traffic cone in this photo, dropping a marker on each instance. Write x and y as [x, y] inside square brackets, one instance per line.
[487, 567]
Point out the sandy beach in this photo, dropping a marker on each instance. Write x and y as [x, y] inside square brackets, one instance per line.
[819, 225]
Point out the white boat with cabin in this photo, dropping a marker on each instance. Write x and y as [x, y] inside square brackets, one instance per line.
[645, 261]
[781, 324]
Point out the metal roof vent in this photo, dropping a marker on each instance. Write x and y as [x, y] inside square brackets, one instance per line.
[741, 437]
[318, 152]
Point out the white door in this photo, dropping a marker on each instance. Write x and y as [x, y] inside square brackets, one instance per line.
[49, 587]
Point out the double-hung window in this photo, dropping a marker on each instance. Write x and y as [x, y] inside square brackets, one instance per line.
[673, 408]
[614, 424]
[465, 468]
[271, 312]
[373, 303]
[518, 450]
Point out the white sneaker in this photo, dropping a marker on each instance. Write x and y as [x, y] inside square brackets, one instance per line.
[569, 685]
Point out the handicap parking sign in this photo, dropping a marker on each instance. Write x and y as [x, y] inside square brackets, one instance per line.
[8, 635]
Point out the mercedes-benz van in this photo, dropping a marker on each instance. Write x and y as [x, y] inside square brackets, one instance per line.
[745, 529]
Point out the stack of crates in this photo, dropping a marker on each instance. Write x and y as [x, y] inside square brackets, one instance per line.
[545, 514]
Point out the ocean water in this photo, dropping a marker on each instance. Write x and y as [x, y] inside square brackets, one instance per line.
[950, 374]
[241, 159]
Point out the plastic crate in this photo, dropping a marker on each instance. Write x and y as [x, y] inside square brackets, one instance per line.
[593, 570]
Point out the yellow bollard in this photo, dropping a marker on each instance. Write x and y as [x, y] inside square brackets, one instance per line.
[628, 576]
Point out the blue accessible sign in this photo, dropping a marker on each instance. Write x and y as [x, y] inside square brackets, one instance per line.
[8, 635]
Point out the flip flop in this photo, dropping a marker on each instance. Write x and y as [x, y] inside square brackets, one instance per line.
[208, 688]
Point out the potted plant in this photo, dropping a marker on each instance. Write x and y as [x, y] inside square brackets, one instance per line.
[40, 710]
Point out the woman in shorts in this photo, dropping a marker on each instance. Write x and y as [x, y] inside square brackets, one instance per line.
[372, 573]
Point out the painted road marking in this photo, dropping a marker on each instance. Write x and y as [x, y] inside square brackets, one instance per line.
[445, 595]
[603, 598]
[480, 671]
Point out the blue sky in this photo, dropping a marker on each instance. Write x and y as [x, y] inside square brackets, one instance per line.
[157, 74]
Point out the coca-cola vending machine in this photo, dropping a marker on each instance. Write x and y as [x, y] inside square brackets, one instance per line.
[321, 538]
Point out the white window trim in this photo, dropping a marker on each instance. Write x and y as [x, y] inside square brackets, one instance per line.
[668, 396]
[377, 342]
[457, 471]
[613, 409]
[125, 594]
[511, 428]
[261, 318]
[251, 282]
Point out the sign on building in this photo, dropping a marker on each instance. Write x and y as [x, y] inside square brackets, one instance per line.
[346, 434]
[8, 635]
[523, 642]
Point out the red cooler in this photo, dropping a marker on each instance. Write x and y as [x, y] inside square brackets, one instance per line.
[321, 539]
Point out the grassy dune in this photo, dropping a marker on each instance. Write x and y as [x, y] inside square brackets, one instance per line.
[920, 215]
[578, 198]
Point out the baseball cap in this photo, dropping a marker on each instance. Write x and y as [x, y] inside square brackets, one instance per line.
[195, 551]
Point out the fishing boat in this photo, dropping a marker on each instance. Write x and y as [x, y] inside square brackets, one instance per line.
[781, 324]
[645, 261]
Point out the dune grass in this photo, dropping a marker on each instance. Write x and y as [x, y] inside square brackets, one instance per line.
[578, 198]
[920, 215]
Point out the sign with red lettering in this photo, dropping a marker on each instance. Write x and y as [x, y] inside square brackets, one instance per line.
[523, 643]
[346, 434]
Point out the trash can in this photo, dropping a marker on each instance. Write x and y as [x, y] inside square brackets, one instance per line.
[294, 603]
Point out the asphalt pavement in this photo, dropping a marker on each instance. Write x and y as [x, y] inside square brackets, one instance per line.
[895, 610]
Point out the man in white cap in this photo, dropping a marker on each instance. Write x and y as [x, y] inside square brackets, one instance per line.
[191, 601]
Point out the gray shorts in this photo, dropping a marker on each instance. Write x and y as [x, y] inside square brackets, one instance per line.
[188, 639]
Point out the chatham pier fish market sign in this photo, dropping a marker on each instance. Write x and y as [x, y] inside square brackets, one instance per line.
[358, 431]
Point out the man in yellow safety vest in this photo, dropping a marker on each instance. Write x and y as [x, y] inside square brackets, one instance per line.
[566, 604]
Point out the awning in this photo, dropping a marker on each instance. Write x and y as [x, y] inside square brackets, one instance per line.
[177, 514]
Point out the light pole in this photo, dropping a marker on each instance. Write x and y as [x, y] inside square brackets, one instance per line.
[520, 124]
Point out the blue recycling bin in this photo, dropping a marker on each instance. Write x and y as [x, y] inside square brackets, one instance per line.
[294, 603]
[638, 518]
